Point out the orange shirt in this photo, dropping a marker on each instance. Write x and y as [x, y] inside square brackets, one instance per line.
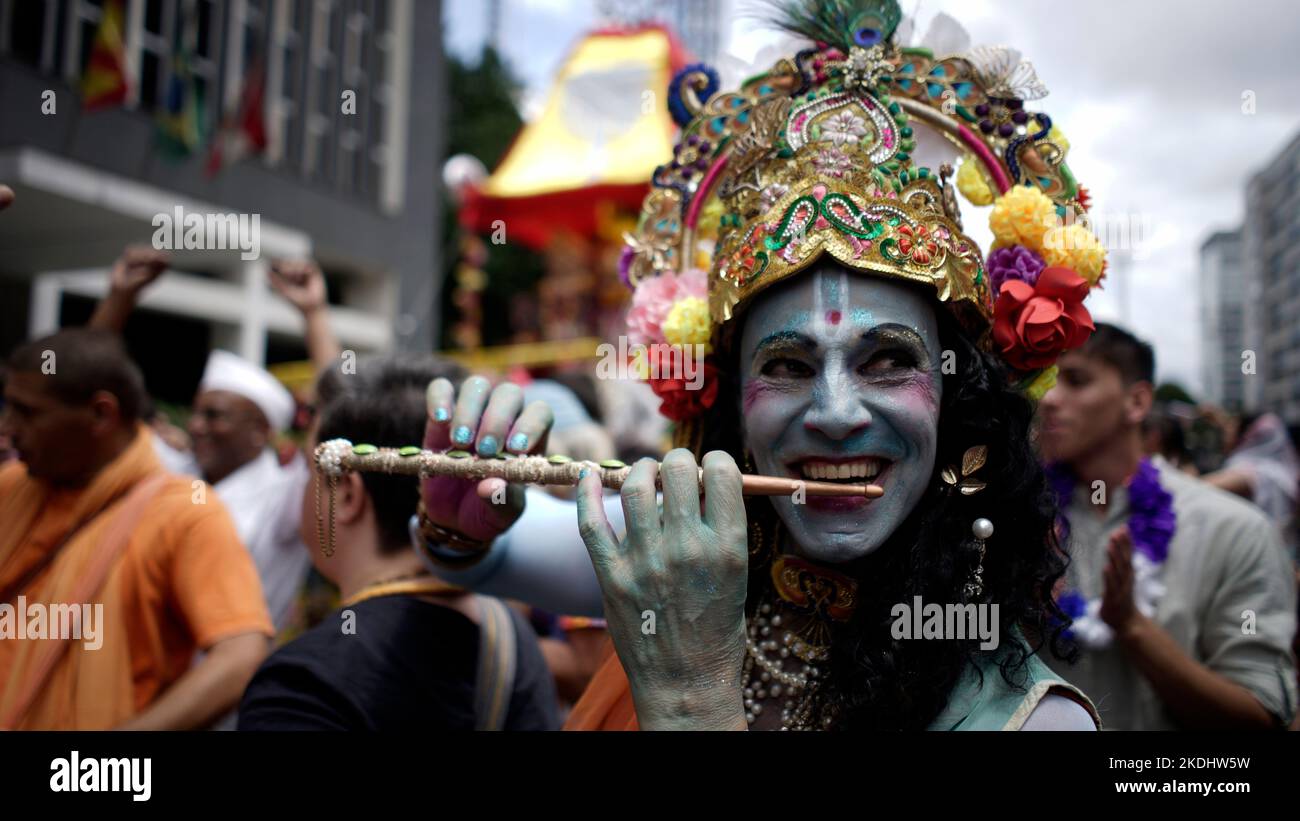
[185, 579]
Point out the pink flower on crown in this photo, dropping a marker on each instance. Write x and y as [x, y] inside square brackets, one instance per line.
[654, 298]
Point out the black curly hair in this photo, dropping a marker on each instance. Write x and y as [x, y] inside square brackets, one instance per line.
[886, 684]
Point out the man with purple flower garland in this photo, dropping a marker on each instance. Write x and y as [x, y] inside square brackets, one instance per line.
[1182, 595]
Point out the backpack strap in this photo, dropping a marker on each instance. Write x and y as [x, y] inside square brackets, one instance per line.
[495, 681]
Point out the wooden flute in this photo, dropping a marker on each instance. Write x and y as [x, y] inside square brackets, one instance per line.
[339, 455]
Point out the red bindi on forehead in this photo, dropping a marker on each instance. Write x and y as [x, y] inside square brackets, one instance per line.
[833, 317]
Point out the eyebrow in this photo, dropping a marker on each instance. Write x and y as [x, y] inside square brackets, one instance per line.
[787, 338]
[895, 332]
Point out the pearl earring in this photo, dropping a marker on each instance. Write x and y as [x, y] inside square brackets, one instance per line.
[981, 529]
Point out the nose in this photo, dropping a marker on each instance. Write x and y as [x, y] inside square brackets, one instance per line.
[838, 409]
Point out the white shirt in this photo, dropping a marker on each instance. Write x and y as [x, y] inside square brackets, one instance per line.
[265, 500]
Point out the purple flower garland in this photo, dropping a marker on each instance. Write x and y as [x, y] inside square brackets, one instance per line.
[1151, 521]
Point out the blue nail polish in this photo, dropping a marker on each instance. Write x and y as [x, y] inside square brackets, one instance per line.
[462, 435]
[582, 474]
[441, 415]
[519, 441]
[488, 446]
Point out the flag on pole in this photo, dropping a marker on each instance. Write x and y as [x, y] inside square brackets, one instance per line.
[104, 83]
[244, 132]
[181, 123]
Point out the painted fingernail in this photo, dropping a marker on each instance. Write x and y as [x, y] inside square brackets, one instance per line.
[462, 435]
[488, 445]
[441, 415]
[582, 474]
[519, 441]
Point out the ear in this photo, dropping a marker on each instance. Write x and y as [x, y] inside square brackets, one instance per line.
[1138, 401]
[351, 499]
[105, 413]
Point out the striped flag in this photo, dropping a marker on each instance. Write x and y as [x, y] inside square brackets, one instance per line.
[104, 84]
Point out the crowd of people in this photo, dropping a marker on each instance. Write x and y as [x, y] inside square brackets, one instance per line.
[1008, 459]
[200, 546]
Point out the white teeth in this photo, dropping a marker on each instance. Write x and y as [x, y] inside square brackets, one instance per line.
[821, 471]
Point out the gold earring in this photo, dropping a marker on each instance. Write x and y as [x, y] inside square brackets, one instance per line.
[972, 460]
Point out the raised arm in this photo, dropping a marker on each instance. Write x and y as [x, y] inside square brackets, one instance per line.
[138, 266]
[302, 284]
[494, 537]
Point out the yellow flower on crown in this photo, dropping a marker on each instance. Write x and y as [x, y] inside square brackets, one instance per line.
[688, 323]
[1022, 216]
[971, 183]
[1077, 248]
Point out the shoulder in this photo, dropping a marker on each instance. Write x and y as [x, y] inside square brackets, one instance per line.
[1059, 713]
[1210, 504]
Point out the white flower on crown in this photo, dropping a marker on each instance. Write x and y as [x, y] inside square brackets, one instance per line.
[844, 127]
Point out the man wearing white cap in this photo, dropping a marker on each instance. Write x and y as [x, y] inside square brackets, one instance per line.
[237, 410]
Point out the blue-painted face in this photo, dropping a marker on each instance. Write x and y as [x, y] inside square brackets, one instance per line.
[841, 381]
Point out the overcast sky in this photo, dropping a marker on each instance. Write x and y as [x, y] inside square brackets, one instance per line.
[1149, 93]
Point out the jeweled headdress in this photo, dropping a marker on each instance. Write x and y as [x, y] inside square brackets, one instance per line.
[814, 157]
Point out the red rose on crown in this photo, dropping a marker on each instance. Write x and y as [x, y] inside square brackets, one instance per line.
[1034, 324]
[678, 401]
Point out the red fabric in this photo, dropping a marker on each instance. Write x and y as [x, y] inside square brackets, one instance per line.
[534, 221]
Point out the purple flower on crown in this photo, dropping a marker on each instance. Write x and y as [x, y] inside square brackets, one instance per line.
[1014, 262]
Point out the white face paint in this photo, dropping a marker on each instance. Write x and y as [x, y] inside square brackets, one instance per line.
[840, 372]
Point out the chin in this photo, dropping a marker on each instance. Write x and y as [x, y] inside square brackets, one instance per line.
[833, 537]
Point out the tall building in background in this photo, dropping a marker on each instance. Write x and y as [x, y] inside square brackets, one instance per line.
[1271, 247]
[351, 101]
[697, 23]
[1223, 298]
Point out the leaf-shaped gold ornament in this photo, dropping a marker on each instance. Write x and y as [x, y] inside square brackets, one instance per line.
[974, 459]
[949, 475]
[971, 486]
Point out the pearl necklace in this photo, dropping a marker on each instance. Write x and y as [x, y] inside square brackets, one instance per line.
[767, 678]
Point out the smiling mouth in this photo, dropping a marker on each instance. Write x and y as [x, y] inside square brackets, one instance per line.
[852, 470]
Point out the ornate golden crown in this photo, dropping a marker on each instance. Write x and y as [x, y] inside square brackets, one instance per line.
[814, 157]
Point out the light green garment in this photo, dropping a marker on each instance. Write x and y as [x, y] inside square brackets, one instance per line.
[993, 704]
[1230, 600]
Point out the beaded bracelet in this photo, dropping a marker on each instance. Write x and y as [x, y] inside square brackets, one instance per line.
[465, 552]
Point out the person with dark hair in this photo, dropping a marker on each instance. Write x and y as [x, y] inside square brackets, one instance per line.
[846, 332]
[1163, 436]
[405, 651]
[89, 520]
[1181, 594]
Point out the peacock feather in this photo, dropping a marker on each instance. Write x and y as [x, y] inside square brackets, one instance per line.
[840, 23]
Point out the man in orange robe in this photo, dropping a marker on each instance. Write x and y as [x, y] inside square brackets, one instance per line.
[114, 572]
